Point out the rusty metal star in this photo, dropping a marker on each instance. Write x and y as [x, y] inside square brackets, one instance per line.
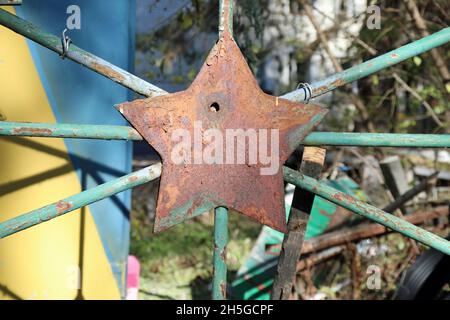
[224, 95]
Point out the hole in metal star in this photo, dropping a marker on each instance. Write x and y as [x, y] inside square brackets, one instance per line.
[214, 107]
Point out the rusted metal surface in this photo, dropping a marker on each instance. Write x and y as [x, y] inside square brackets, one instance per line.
[224, 95]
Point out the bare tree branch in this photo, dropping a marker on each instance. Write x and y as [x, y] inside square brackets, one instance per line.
[422, 27]
[323, 38]
[416, 95]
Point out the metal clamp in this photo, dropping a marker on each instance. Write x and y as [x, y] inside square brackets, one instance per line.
[308, 90]
[65, 43]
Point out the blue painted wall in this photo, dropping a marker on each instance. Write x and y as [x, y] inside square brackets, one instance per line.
[78, 95]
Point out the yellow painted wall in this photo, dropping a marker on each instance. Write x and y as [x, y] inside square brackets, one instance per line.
[41, 262]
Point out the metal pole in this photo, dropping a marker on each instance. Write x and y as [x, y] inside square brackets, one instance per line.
[60, 130]
[225, 17]
[377, 140]
[219, 289]
[371, 66]
[79, 200]
[386, 219]
[78, 55]
[112, 132]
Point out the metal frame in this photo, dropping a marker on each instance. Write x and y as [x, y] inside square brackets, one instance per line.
[142, 176]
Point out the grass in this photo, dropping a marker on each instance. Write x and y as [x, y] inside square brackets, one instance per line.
[177, 263]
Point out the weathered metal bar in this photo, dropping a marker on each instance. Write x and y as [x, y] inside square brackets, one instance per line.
[59, 130]
[377, 140]
[111, 132]
[366, 210]
[371, 66]
[79, 200]
[219, 291]
[78, 55]
[225, 16]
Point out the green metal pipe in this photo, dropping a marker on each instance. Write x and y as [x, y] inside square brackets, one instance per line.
[373, 65]
[219, 289]
[377, 140]
[225, 16]
[59, 130]
[388, 220]
[111, 132]
[78, 55]
[79, 200]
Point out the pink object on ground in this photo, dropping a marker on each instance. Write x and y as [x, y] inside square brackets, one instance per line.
[134, 269]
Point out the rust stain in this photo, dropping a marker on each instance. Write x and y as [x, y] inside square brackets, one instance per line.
[261, 287]
[223, 254]
[171, 193]
[31, 130]
[320, 89]
[132, 179]
[223, 289]
[338, 83]
[63, 206]
[107, 71]
[344, 197]
[394, 56]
